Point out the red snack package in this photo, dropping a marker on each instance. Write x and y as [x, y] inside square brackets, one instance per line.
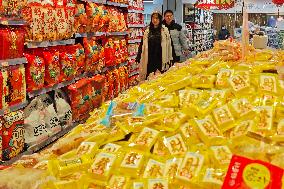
[68, 66]
[81, 18]
[49, 27]
[97, 84]
[80, 57]
[93, 14]
[37, 24]
[11, 43]
[4, 90]
[70, 15]
[109, 53]
[110, 81]
[248, 174]
[77, 94]
[61, 18]
[17, 85]
[92, 54]
[116, 82]
[13, 134]
[35, 72]
[52, 68]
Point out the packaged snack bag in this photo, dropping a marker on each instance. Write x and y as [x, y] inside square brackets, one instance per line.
[61, 18]
[103, 165]
[35, 72]
[239, 83]
[213, 178]
[97, 83]
[52, 67]
[146, 139]
[37, 24]
[80, 57]
[11, 43]
[49, 26]
[190, 167]
[223, 117]
[203, 81]
[4, 89]
[171, 168]
[242, 108]
[188, 96]
[154, 169]
[241, 128]
[223, 76]
[68, 65]
[13, 134]
[158, 183]
[265, 115]
[138, 184]
[175, 144]
[221, 154]
[63, 109]
[160, 149]
[117, 182]
[36, 131]
[132, 163]
[17, 85]
[111, 148]
[268, 83]
[50, 116]
[208, 131]
[189, 132]
[70, 15]
[248, 174]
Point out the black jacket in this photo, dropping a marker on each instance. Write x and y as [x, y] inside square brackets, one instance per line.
[223, 34]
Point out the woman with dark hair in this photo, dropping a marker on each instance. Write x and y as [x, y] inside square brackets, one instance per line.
[155, 50]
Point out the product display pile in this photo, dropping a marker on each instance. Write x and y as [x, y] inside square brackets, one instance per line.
[180, 129]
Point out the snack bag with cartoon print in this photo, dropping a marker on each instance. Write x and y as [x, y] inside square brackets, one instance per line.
[64, 111]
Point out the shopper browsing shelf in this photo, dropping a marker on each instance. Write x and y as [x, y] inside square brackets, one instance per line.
[223, 33]
[179, 40]
[155, 50]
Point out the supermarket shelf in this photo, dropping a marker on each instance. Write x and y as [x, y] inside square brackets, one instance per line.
[131, 41]
[12, 22]
[117, 4]
[135, 11]
[50, 43]
[54, 87]
[117, 33]
[13, 108]
[91, 34]
[11, 62]
[136, 25]
[38, 147]
[95, 1]
[133, 73]
[110, 68]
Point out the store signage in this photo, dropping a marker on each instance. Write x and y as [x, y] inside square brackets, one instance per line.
[215, 4]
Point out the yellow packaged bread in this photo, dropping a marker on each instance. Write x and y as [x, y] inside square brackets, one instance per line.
[213, 178]
[118, 182]
[239, 84]
[203, 81]
[154, 169]
[223, 76]
[221, 154]
[189, 132]
[160, 149]
[175, 144]
[224, 118]
[111, 148]
[242, 108]
[157, 183]
[268, 83]
[264, 119]
[171, 168]
[102, 166]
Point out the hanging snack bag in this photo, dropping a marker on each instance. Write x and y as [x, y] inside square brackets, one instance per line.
[13, 134]
[52, 67]
[63, 109]
[35, 72]
[4, 89]
[36, 131]
[17, 87]
[50, 116]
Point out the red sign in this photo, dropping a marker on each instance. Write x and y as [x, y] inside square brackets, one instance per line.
[249, 174]
[219, 4]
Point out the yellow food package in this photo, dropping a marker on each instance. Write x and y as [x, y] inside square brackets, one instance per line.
[279, 135]
[268, 83]
[171, 122]
[190, 168]
[175, 144]
[115, 134]
[157, 183]
[188, 96]
[242, 108]
[241, 128]
[213, 178]
[132, 163]
[160, 149]
[168, 100]
[103, 165]
[221, 154]
[43, 165]
[203, 107]
[146, 139]
[223, 76]
[208, 131]
[87, 150]
[171, 168]
[221, 95]
[189, 132]
[111, 148]
[154, 169]
[203, 81]
[239, 84]
[280, 86]
[180, 84]
[215, 67]
[138, 184]
[62, 168]
[265, 115]
[117, 182]
[224, 118]
[71, 181]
